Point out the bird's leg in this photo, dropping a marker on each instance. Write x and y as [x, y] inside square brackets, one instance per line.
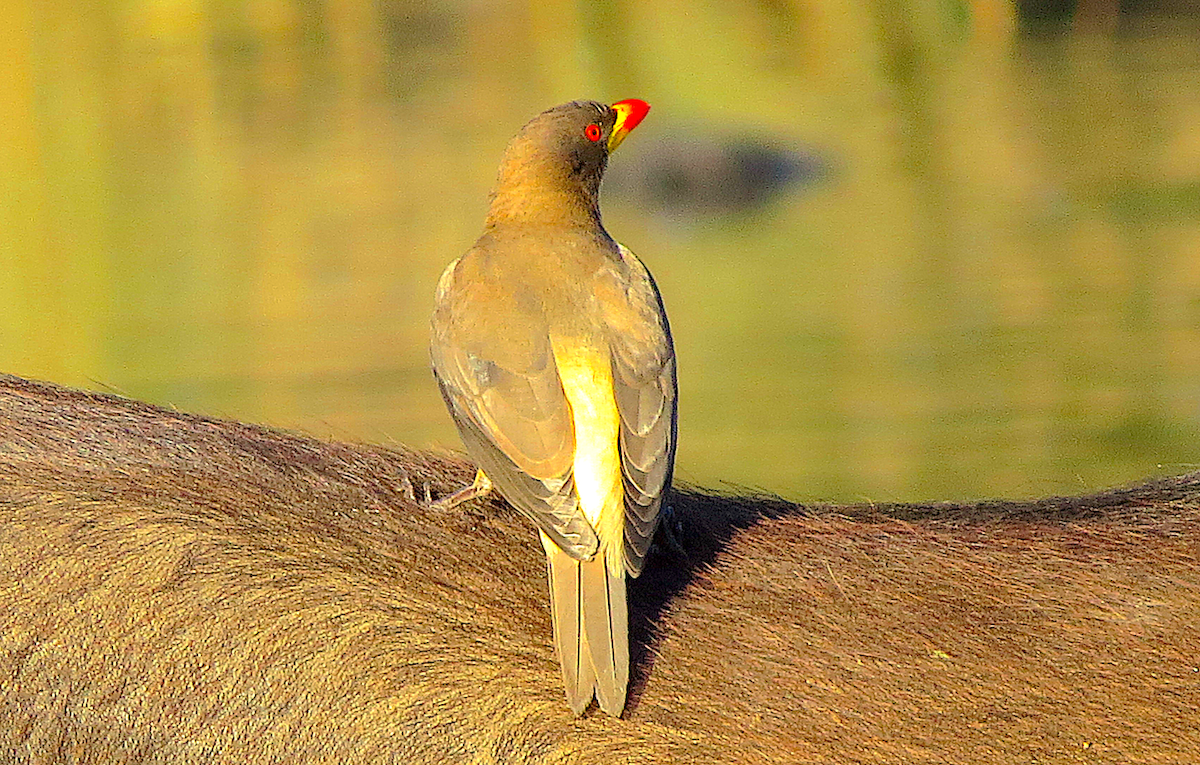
[478, 488]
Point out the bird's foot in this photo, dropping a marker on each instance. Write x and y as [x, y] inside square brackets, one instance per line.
[478, 488]
[670, 537]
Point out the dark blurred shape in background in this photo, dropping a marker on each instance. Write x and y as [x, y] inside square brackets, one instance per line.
[693, 175]
[1048, 15]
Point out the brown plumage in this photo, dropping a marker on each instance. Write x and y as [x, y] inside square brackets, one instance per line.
[552, 350]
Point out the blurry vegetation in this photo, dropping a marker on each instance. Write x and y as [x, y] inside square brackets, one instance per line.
[992, 285]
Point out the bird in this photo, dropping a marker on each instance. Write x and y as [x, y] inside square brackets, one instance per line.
[551, 348]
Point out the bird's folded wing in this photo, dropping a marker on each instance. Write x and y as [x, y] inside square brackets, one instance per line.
[646, 392]
[509, 406]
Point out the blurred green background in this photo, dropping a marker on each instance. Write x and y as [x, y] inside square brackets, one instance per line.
[989, 285]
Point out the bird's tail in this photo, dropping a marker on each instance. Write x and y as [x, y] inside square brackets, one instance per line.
[591, 629]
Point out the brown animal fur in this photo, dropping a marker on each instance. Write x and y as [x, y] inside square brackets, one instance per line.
[177, 589]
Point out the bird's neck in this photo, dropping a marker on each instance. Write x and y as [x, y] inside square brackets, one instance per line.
[542, 209]
[532, 193]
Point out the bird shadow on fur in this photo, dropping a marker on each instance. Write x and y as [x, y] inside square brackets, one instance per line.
[699, 526]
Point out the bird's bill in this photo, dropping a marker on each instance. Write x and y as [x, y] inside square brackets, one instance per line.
[629, 113]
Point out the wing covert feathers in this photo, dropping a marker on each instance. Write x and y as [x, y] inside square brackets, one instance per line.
[505, 396]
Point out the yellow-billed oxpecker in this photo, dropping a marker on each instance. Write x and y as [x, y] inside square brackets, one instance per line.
[552, 351]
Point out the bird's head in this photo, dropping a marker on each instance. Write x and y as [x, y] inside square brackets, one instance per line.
[558, 158]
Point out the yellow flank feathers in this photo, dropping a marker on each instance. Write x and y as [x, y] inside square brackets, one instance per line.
[586, 375]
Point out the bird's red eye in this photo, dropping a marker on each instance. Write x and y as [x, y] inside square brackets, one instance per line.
[592, 132]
